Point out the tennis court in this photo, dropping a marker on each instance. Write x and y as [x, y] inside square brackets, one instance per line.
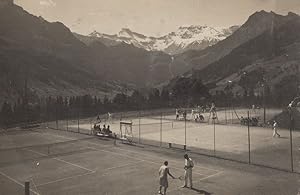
[223, 139]
[60, 162]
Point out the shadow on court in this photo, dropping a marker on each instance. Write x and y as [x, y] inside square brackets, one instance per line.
[201, 191]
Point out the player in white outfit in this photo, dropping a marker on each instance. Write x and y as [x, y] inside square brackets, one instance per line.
[275, 125]
[188, 166]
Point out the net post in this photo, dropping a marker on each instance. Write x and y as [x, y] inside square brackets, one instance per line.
[27, 188]
[249, 151]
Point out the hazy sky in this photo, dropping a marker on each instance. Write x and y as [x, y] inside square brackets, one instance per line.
[151, 17]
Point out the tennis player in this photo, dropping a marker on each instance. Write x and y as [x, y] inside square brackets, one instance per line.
[163, 177]
[188, 166]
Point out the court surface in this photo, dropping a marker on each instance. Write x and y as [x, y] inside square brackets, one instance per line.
[228, 141]
[58, 162]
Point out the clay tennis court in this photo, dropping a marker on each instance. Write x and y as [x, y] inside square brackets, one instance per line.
[223, 139]
[60, 162]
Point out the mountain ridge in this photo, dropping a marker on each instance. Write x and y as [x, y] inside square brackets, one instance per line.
[185, 38]
[270, 59]
[256, 24]
[53, 61]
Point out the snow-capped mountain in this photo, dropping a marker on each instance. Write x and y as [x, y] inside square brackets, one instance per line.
[185, 38]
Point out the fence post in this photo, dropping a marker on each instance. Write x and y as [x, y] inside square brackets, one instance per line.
[67, 120]
[185, 129]
[78, 123]
[27, 188]
[249, 157]
[291, 139]
[225, 116]
[231, 115]
[214, 120]
[56, 118]
[161, 129]
[139, 127]
[47, 119]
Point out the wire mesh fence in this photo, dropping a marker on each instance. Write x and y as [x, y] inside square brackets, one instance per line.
[243, 135]
[238, 134]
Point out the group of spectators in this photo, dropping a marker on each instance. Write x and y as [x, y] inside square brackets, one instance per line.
[104, 130]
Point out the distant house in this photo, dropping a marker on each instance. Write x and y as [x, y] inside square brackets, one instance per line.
[4, 3]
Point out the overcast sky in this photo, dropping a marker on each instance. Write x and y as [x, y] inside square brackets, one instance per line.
[151, 17]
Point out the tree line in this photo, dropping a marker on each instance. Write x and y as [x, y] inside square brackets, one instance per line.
[181, 92]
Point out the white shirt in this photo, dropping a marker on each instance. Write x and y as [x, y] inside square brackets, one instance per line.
[188, 163]
[163, 171]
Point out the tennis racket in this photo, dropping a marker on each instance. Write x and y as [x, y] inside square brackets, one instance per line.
[180, 177]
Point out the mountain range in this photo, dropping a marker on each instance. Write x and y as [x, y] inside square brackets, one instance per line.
[265, 50]
[256, 24]
[185, 38]
[51, 60]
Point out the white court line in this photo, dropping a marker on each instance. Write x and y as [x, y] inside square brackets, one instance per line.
[89, 173]
[213, 175]
[140, 159]
[58, 159]
[125, 165]
[107, 151]
[142, 154]
[12, 179]
[75, 165]
[66, 178]
[152, 156]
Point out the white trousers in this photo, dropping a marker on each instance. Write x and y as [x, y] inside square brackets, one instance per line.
[275, 132]
[188, 177]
